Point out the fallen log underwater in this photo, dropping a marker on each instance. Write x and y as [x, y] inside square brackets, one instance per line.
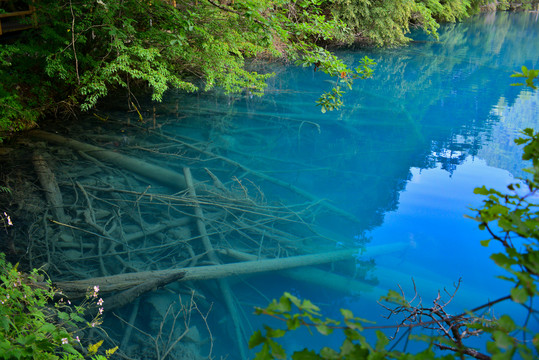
[158, 174]
[78, 288]
[50, 186]
[173, 179]
[313, 275]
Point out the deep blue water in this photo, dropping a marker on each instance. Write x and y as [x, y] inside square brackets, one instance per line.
[403, 156]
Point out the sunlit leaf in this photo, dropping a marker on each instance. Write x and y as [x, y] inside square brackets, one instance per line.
[324, 329]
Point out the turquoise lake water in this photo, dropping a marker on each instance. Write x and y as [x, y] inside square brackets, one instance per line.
[403, 156]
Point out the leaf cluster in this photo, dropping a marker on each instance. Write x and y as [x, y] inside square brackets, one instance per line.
[529, 76]
[512, 220]
[32, 328]
[297, 313]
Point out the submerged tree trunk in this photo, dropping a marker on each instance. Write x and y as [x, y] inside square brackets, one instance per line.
[78, 288]
[50, 187]
[158, 174]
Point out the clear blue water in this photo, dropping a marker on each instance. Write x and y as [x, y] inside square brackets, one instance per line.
[403, 156]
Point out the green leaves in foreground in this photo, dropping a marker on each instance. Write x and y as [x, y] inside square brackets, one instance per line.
[512, 220]
[32, 327]
[296, 313]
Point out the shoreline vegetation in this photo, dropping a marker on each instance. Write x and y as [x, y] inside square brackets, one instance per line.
[82, 51]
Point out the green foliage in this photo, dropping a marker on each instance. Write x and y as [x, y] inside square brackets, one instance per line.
[30, 328]
[386, 23]
[529, 75]
[83, 50]
[516, 4]
[382, 22]
[332, 99]
[516, 218]
[297, 313]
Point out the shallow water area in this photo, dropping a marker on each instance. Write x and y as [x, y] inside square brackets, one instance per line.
[394, 170]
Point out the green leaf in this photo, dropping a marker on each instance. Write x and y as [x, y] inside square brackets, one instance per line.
[264, 353]
[293, 323]
[283, 305]
[274, 333]
[508, 355]
[481, 190]
[4, 323]
[307, 305]
[507, 323]
[519, 295]
[305, 354]
[502, 340]
[256, 339]
[329, 353]
[395, 298]
[347, 347]
[47, 328]
[76, 317]
[502, 260]
[324, 329]
[352, 334]
[382, 341]
[63, 316]
[347, 314]
[277, 350]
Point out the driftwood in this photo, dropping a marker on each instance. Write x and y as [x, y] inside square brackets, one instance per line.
[158, 174]
[50, 187]
[78, 288]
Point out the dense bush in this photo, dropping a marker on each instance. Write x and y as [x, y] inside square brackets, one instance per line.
[34, 326]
